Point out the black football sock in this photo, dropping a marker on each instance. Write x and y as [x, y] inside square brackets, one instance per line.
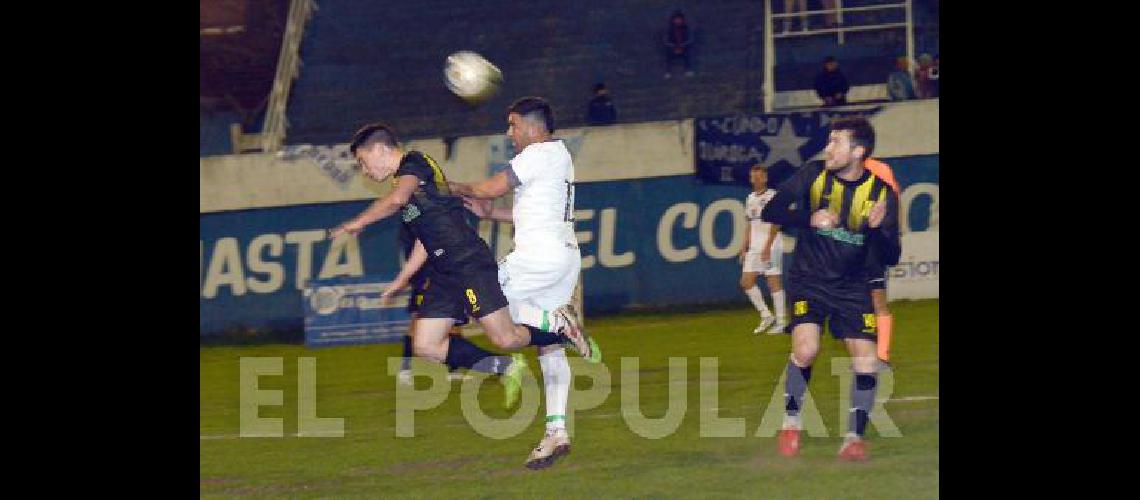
[461, 353]
[862, 398]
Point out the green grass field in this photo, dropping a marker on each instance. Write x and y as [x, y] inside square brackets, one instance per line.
[447, 458]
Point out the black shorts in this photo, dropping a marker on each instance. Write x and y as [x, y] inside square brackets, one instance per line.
[417, 298]
[849, 308]
[457, 292]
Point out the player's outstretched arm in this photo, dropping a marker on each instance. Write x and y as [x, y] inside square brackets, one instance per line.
[492, 187]
[502, 214]
[484, 209]
[381, 208]
[415, 261]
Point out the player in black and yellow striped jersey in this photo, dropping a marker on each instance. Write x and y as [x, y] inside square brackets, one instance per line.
[843, 213]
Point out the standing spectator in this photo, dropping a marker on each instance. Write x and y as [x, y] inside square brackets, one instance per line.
[678, 38]
[830, 20]
[922, 76]
[793, 6]
[601, 110]
[900, 86]
[830, 85]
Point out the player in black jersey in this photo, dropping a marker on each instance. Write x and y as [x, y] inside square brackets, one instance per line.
[462, 273]
[843, 212]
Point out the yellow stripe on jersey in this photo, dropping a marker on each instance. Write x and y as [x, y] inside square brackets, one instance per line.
[817, 190]
[834, 198]
[440, 180]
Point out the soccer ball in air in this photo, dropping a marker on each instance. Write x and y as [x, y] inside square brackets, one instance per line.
[471, 77]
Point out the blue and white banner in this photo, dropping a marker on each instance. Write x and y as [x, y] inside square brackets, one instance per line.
[346, 311]
[728, 146]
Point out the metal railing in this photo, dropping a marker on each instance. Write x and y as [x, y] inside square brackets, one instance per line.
[770, 36]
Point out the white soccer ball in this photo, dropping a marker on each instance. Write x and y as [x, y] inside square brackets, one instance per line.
[471, 76]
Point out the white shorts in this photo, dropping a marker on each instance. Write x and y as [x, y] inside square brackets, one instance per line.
[753, 263]
[541, 279]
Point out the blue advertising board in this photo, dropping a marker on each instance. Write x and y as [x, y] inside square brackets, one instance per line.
[344, 311]
[645, 242]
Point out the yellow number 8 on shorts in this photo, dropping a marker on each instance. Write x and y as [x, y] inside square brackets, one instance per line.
[869, 321]
[800, 308]
[471, 296]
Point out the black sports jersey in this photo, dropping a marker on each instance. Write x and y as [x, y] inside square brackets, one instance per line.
[435, 216]
[839, 254]
[407, 244]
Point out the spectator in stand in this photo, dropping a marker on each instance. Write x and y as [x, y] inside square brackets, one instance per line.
[829, 20]
[934, 78]
[791, 7]
[900, 86]
[830, 85]
[601, 110]
[922, 77]
[678, 40]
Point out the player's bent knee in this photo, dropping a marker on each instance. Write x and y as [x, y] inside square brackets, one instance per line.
[774, 283]
[805, 347]
[435, 351]
[863, 363]
[747, 282]
[804, 356]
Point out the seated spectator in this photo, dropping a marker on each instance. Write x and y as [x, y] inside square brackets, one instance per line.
[900, 86]
[933, 79]
[830, 85]
[922, 77]
[601, 110]
[678, 39]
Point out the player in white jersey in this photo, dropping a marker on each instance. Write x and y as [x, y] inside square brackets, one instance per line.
[761, 254]
[544, 265]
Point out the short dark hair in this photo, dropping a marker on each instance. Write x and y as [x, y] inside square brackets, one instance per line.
[759, 166]
[599, 86]
[862, 134]
[371, 134]
[829, 59]
[534, 108]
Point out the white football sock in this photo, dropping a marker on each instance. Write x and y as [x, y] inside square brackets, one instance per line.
[757, 299]
[556, 379]
[781, 308]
